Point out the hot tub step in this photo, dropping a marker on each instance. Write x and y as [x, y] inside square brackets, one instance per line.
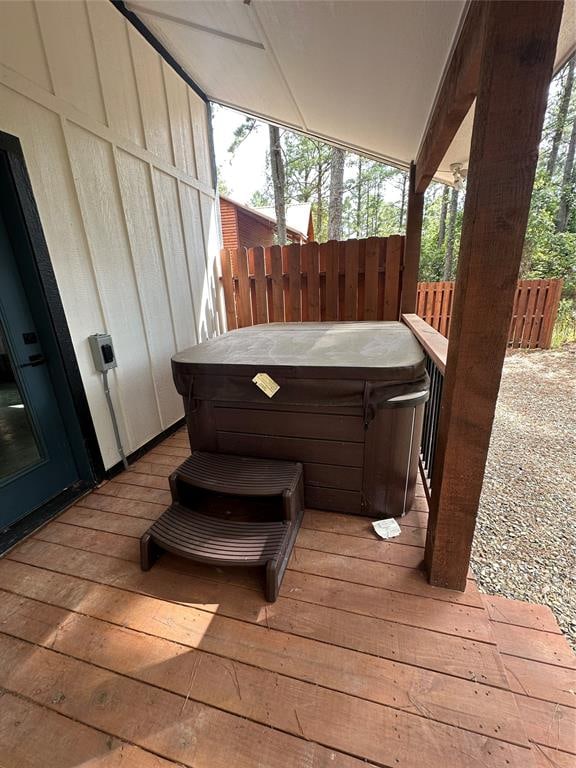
[239, 475]
[219, 484]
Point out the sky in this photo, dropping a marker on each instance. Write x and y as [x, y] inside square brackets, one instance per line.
[244, 173]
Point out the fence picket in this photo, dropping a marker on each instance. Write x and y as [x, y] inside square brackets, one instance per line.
[447, 314]
[311, 265]
[260, 308]
[382, 275]
[228, 286]
[529, 317]
[351, 280]
[371, 260]
[537, 315]
[512, 326]
[293, 309]
[524, 296]
[276, 309]
[392, 280]
[331, 255]
[243, 298]
[554, 294]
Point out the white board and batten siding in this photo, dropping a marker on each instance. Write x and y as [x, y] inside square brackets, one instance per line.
[117, 148]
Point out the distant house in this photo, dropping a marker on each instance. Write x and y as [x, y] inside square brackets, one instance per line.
[245, 227]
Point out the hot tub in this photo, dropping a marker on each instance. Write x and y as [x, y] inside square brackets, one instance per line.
[349, 406]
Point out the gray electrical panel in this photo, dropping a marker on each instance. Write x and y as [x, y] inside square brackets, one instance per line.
[102, 351]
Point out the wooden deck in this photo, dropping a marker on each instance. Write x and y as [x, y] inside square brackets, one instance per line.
[358, 663]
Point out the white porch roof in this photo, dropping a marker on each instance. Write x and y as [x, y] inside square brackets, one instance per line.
[363, 74]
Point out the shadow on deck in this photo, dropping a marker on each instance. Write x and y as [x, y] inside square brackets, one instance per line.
[359, 661]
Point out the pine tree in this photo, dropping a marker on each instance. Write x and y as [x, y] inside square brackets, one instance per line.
[450, 235]
[561, 116]
[359, 197]
[278, 182]
[443, 214]
[403, 202]
[336, 193]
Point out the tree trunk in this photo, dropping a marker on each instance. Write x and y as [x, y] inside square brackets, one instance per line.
[561, 118]
[403, 201]
[367, 208]
[449, 258]
[336, 194]
[443, 213]
[377, 214]
[278, 183]
[567, 182]
[319, 201]
[359, 198]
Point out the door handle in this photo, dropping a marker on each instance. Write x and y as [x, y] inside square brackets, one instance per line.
[33, 361]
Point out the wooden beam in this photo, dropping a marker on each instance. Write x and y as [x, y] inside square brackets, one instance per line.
[517, 59]
[455, 97]
[415, 213]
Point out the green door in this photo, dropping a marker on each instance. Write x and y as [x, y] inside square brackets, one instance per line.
[36, 460]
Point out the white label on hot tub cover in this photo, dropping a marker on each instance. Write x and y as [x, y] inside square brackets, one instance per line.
[266, 384]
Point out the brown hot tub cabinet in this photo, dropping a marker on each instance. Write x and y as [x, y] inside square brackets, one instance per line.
[349, 407]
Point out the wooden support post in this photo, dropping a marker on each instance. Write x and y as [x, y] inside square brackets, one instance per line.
[412, 246]
[518, 47]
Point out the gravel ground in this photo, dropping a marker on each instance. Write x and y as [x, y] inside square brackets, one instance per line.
[525, 544]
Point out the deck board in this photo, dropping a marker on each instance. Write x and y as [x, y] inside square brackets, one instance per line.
[32, 736]
[541, 681]
[355, 525]
[359, 662]
[548, 724]
[535, 644]
[544, 757]
[506, 611]
[113, 503]
[541, 671]
[373, 549]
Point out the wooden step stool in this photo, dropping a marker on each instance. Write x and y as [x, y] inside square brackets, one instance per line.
[231, 510]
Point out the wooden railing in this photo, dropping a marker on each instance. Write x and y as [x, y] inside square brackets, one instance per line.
[436, 350]
[350, 280]
[534, 314]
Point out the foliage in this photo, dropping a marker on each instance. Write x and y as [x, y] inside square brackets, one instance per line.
[432, 254]
[223, 188]
[242, 132]
[548, 253]
[565, 327]
[261, 200]
[550, 248]
[368, 211]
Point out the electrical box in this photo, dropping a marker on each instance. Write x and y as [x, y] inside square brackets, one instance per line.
[102, 351]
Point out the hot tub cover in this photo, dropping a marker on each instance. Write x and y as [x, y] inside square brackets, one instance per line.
[381, 351]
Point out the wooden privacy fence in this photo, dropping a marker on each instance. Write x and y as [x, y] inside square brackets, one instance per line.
[533, 317]
[350, 280]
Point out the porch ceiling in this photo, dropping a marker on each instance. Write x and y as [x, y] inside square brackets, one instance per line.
[359, 73]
